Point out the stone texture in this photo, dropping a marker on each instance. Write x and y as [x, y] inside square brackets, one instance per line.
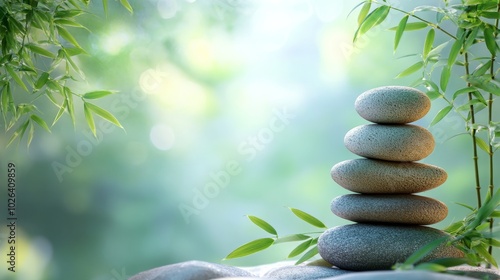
[392, 208]
[304, 272]
[378, 246]
[398, 275]
[392, 105]
[379, 176]
[191, 270]
[403, 142]
[476, 272]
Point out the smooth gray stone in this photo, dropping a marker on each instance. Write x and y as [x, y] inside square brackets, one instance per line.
[191, 270]
[390, 208]
[399, 275]
[476, 272]
[378, 246]
[379, 176]
[304, 272]
[403, 142]
[392, 104]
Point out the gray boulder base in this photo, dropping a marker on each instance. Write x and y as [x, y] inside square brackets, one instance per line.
[392, 104]
[399, 275]
[371, 176]
[378, 246]
[403, 142]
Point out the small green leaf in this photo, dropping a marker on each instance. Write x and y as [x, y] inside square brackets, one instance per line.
[127, 6]
[69, 104]
[441, 114]
[104, 114]
[62, 108]
[433, 95]
[300, 248]
[466, 206]
[69, 22]
[41, 51]
[251, 248]
[42, 80]
[364, 11]
[482, 145]
[463, 91]
[438, 49]
[412, 26]
[373, 19]
[19, 132]
[89, 118]
[487, 256]
[400, 30]
[97, 94]
[485, 211]
[429, 41]
[31, 133]
[105, 6]
[489, 39]
[445, 77]
[16, 77]
[309, 254]
[263, 224]
[292, 238]
[495, 214]
[424, 251]
[307, 218]
[482, 69]
[430, 267]
[454, 51]
[40, 122]
[410, 70]
[67, 36]
[449, 262]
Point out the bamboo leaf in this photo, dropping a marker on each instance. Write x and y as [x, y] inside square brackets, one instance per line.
[485, 211]
[441, 114]
[263, 224]
[42, 80]
[89, 118]
[62, 108]
[429, 41]
[399, 31]
[40, 122]
[19, 132]
[454, 51]
[373, 19]
[430, 267]
[104, 114]
[16, 77]
[307, 218]
[489, 39]
[410, 70]
[309, 254]
[412, 26]
[482, 145]
[450, 262]
[105, 6]
[31, 133]
[67, 36]
[487, 256]
[127, 6]
[300, 248]
[445, 78]
[292, 238]
[250, 248]
[463, 91]
[41, 51]
[424, 251]
[364, 11]
[97, 94]
[69, 104]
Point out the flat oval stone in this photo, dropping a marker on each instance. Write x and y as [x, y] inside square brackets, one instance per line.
[403, 142]
[378, 246]
[398, 275]
[379, 176]
[392, 104]
[390, 208]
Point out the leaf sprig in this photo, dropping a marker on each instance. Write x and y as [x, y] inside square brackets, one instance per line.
[307, 247]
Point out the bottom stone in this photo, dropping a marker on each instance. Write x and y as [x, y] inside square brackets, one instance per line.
[377, 246]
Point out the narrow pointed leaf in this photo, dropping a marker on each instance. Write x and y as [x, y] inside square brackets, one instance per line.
[263, 224]
[487, 256]
[482, 69]
[424, 251]
[292, 238]
[463, 91]
[16, 77]
[410, 70]
[482, 145]
[31, 133]
[42, 80]
[429, 41]
[41, 51]
[18, 133]
[40, 122]
[454, 51]
[309, 254]
[489, 39]
[445, 78]
[441, 114]
[251, 248]
[67, 36]
[300, 249]
[89, 118]
[374, 18]
[364, 11]
[104, 114]
[400, 31]
[97, 94]
[127, 6]
[308, 218]
[412, 26]
[105, 6]
[431, 267]
[60, 112]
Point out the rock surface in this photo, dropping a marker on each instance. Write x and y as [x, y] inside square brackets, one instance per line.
[403, 142]
[304, 272]
[392, 208]
[191, 270]
[398, 275]
[378, 246]
[379, 176]
[392, 104]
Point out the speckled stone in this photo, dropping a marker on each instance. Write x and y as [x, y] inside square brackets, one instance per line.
[378, 246]
[378, 176]
[391, 208]
[392, 104]
[304, 272]
[403, 142]
[191, 270]
[398, 275]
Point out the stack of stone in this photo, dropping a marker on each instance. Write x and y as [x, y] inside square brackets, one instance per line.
[389, 217]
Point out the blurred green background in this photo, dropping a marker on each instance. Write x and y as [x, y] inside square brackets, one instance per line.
[246, 101]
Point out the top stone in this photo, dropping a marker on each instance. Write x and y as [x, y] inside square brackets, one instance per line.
[392, 105]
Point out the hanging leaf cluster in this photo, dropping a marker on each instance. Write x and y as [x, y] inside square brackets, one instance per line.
[308, 241]
[37, 60]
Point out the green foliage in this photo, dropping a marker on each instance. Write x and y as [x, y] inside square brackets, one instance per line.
[473, 48]
[37, 60]
[308, 245]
